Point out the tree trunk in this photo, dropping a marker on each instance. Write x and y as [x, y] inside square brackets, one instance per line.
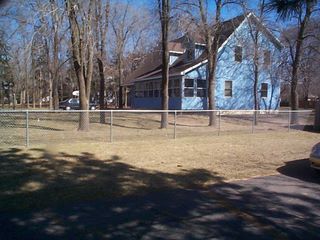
[212, 51]
[120, 104]
[164, 11]
[84, 119]
[55, 93]
[101, 91]
[40, 88]
[294, 98]
[101, 31]
[256, 78]
[82, 53]
[34, 92]
[54, 70]
[125, 97]
[120, 99]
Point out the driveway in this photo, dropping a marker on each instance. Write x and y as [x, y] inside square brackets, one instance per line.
[283, 206]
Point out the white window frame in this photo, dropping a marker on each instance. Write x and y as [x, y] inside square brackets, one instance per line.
[235, 53]
[263, 91]
[228, 89]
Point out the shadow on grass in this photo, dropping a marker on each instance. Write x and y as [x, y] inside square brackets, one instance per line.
[47, 196]
[63, 196]
[38, 179]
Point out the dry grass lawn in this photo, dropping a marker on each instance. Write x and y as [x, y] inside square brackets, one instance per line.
[50, 175]
[61, 127]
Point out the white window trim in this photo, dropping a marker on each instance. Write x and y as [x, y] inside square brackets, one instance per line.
[224, 89]
[235, 47]
[267, 90]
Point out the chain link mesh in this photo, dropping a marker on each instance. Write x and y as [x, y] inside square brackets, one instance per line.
[18, 128]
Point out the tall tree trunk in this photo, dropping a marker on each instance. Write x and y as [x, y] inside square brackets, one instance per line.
[54, 70]
[34, 88]
[294, 97]
[212, 46]
[164, 11]
[255, 75]
[50, 93]
[255, 95]
[82, 53]
[120, 104]
[40, 88]
[120, 99]
[101, 31]
[55, 93]
[101, 91]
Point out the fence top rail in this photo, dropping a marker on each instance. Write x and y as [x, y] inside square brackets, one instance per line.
[155, 111]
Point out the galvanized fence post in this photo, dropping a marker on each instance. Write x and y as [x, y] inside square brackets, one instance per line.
[27, 128]
[289, 121]
[111, 123]
[219, 123]
[175, 124]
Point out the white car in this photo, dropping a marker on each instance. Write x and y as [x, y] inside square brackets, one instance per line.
[315, 156]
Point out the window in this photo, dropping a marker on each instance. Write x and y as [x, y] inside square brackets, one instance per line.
[189, 82]
[264, 90]
[238, 54]
[266, 58]
[189, 87]
[188, 92]
[201, 87]
[138, 90]
[201, 83]
[145, 89]
[150, 87]
[228, 88]
[157, 89]
[177, 92]
[190, 54]
[174, 88]
[201, 92]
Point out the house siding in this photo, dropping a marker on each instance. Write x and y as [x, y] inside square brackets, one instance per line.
[189, 103]
[155, 102]
[240, 73]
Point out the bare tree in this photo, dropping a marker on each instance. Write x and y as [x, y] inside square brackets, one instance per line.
[309, 60]
[212, 36]
[302, 12]
[253, 43]
[128, 24]
[101, 29]
[55, 63]
[164, 13]
[82, 53]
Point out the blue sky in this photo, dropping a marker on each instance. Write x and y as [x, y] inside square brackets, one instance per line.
[228, 11]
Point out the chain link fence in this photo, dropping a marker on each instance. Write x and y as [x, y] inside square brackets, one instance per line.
[30, 128]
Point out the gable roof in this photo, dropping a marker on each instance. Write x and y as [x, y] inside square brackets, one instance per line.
[151, 68]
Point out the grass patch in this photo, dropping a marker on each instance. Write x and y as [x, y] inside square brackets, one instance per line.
[53, 175]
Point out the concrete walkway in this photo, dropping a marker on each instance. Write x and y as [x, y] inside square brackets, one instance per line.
[284, 206]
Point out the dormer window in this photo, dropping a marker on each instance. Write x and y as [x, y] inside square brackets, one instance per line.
[190, 54]
[238, 54]
[172, 59]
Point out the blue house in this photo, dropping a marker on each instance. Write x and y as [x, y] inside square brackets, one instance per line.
[188, 85]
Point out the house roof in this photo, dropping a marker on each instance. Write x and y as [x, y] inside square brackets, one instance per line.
[152, 66]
